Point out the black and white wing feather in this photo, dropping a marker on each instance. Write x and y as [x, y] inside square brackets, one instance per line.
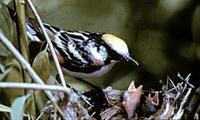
[80, 51]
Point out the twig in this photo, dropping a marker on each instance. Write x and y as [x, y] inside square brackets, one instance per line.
[168, 78]
[40, 115]
[21, 28]
[34, 86]
[26, 66]
[176, 87]
[23, 45]
[185, 80]
[43, 111]
[21, 33]
[49, 42]
[180, 112]
[180, 76]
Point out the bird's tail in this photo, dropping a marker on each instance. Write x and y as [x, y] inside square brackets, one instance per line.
[32, 26]
[13, 14]
[33, 31]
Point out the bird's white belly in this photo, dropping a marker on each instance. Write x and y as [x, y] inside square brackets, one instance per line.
[95, 74]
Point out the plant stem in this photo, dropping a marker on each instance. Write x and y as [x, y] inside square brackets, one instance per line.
[23, 47]
[26, 66]
[33, 86]
[21, 30]
[49, 42]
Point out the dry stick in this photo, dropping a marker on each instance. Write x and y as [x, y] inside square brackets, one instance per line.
[49, 42]
[26, 66]
[23, 40]
[179, 114]
[21, 28]
[33, 86]
[186, 80]
[23, 46]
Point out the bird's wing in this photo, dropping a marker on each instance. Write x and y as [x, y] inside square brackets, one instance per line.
[80, 47]
[77, 48]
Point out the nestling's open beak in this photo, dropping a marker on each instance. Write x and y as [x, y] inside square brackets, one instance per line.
[131, 60]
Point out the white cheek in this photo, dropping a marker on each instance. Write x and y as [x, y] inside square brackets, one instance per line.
[100, 55]
[96, 54]
[103, 52]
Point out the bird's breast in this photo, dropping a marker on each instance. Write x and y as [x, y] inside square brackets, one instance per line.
[97, 73]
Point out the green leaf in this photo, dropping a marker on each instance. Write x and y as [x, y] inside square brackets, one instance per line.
[43, 66]
[4, 108]
[6, 27]
[14, 75]
[18, 107]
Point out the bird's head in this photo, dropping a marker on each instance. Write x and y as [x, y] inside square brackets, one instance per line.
[119, 46]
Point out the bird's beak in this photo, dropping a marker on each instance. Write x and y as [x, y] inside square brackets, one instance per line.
[129, 59]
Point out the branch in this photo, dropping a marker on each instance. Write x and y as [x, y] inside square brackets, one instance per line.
[180, 112]
[21, 31]
[26, 66]
[23, 45]
[21, 28]
[49, 42]
[33, 86]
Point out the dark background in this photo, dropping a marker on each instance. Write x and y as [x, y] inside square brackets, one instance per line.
[162, 35]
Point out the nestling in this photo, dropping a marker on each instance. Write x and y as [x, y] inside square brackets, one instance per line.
[84, 54]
